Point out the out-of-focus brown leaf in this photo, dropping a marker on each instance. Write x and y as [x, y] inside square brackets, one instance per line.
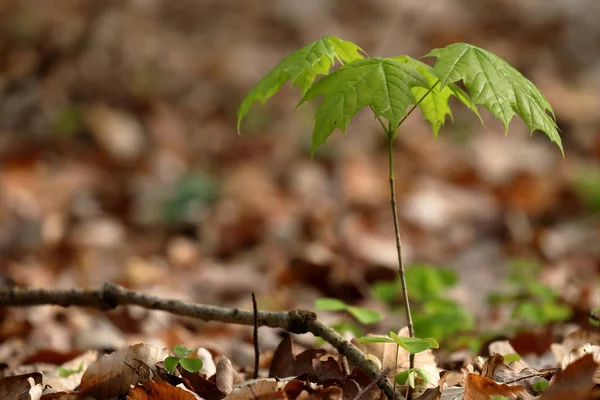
[482, 388]
[151, 390]
[262, 389]
[322, 371]
[61, 396]
[430, 394]
[499, 372]
[202, 386]
[298, 390]
[285, 364]
[575, 382]
[19, 387]
[118, 132]
[76, 366]
[113, 374]
[358, 380]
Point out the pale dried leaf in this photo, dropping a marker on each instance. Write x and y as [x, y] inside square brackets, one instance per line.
[113, 374]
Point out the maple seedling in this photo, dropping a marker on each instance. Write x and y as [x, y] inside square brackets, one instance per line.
[393, 87]
[190, 364]
[412, 346]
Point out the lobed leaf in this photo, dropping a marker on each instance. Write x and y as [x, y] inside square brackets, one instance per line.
[383, 84]
[496, 85]
[433, 101]
[301, 68]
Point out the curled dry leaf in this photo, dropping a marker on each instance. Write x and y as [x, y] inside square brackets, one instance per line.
[76, 367]
[208, 363]
[206, 388]
[224, 376]
[21, 386]
[160, 390]
[575, 382]
[286, 364]
[113, 374]
[257, 389]
[585, 350]
[495, 369]
[482, 388]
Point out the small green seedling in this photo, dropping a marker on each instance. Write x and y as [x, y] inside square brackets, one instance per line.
[594, 317]
[410, 344]
[541, 385]
[409, 376]
[413, 346]
[393, 87]
[66, 372]
[363, 315]
[511, 357]
[533, 303]
[437, 315]
[180, 358]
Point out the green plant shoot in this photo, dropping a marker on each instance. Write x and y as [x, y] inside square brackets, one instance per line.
[393, 87]
[180, 358]
[363, 315]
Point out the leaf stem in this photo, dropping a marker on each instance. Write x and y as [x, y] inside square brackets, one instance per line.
[418, 103]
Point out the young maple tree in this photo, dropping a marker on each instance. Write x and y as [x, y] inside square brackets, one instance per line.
[390, 85]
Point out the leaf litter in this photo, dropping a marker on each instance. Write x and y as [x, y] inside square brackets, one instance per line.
[113, 121]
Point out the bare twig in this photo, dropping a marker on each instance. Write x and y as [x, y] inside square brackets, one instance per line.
[111, 296]
[364, 390]
[256, 351]
[545, 374]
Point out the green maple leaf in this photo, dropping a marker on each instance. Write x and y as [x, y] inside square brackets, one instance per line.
[384, 84]
[434, 100]
[301, 68]
[496, 85]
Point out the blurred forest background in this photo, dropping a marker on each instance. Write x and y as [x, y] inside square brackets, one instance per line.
[120, 162]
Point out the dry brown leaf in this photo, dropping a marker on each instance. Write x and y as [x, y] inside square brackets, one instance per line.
[79, 363]
[151, 390]
[113, 374]
[575, 382]
[21, 386]
[263, 389]
[482, 388]
[285, 364]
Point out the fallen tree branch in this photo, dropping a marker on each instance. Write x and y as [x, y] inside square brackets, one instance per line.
[111, 296]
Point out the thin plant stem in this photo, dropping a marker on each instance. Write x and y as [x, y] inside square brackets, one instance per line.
[391, 134]
[256, 350]
[401, 271]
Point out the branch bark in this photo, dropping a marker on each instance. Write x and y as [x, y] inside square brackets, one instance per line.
[110, 296]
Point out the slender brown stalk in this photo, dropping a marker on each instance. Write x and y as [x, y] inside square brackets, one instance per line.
[364, 390]
[256, 350]
[401, 271]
